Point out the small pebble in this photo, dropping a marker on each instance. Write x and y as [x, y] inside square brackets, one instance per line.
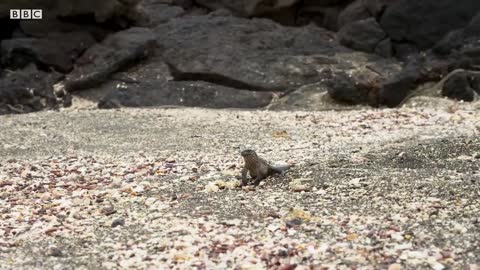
[118, 222]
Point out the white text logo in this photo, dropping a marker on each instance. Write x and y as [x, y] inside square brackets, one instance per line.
[26, 14]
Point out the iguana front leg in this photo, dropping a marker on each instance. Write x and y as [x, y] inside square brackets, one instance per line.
[258, 179]
[244, 177]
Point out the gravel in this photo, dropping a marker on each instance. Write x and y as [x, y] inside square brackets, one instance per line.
[158, 188]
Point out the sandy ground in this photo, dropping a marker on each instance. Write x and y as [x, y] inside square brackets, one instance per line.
[157, 188]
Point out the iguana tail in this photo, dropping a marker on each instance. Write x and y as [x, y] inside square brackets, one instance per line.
[280, 169]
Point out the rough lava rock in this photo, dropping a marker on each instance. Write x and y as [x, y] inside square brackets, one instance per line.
[323, 16]
[236, 57]
[458, 87]
[423, 23]
[116, 52]
[459, 37]
[384, 48]
[356, 11]
[28, 90]
[377, 7]
[349, 78]
[468, 57]
[363, 35]
[218, 60]
[158, 12]
[342, 87]
[475, 83]
[49, 27]
[248, 8]
[255, 54]
[150, 84]
[185, 93]
[57, 50]
[394, 90]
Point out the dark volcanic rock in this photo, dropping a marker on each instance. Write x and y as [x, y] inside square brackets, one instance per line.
[187, 93]
[356, 11]
[27, 90]
[310, 97]
[327, 2]
[468, 57]
[475, 83]
[384, 48]
[345, 89]
[253, 54]
[152, 88]
[377, 7]
[49, 27]
[349, 78]
[452, 40]
[405, 50]
[116, 52]
[363, 35]
[157, 12]
[333, 15]
[459, 37]
[473, 28]
[425, 22]
[326, 17]
[248, 8]
[394, 90]
[58, 50]
[458, 87]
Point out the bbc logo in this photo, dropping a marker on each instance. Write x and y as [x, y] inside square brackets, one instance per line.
[26, 14]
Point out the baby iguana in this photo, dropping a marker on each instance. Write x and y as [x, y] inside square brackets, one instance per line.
[258, 168]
